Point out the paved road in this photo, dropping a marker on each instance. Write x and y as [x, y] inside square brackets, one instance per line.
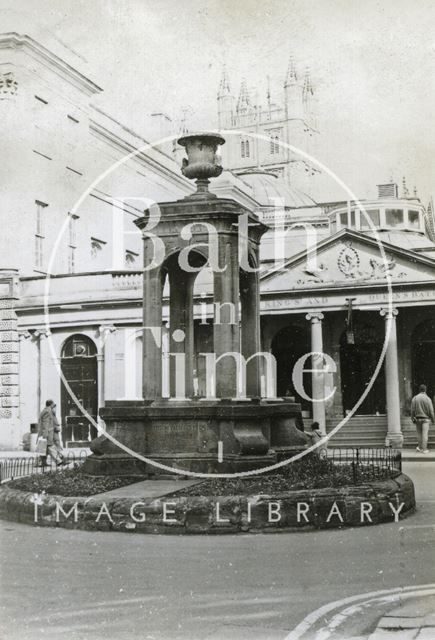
[94, 586]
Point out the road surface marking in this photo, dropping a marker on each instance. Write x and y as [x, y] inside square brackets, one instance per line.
[312, 618]
[326, 632]
[417, 526]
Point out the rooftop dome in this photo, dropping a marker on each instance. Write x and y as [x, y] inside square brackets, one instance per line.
[267, 186]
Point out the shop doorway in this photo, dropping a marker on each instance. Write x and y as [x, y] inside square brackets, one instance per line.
[288, 345]
[423, 357]
[358, 362]
[79, 367]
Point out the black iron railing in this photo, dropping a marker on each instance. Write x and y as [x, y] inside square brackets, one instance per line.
[368, 464]
[11, 468]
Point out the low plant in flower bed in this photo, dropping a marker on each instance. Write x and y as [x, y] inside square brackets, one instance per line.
[71, 482]
[310, 472]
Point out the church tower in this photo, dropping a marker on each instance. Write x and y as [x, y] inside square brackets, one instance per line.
[246, 112]
[293, 93]
[225, 102]
[308, 100]
[244, 101]
[290, 120]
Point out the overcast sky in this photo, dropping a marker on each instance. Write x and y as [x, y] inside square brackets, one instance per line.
[372, 64]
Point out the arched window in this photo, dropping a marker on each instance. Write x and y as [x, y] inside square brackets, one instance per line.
[78, 346]
[274, 144]
[244, 149]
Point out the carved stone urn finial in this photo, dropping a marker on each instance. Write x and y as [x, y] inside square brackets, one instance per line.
[202, 162]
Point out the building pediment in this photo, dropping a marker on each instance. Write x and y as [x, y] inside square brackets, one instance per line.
[349, 258]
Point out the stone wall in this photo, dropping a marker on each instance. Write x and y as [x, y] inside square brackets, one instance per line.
[9, 359]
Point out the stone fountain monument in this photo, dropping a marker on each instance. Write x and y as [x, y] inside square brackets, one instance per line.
[232, 428]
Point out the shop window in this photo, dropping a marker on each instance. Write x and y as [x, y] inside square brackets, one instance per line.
[244, 149]
[130, 259]
[343, 219]
[274, 144]
[414, 219]
[394, 217]
[39, 234]
[72, 242]
[96, 247]
[72, 229]
[373, 215]
[71, 259]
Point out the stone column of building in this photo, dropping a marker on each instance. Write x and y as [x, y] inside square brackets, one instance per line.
[266, 346]
[269, 330]
[46, 381]
[27, 377]
[318, 391]
[335, 409]
[394, 437]
[152, 329]
[226, 332]
[165, 360]
[251, 342]
[9, 359]
[181, 340]
[105, 360]
[100, 378]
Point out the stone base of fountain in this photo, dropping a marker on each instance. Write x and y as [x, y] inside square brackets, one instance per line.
[185, 435]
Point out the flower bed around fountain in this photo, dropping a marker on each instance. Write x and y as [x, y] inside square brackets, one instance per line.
[314, 494]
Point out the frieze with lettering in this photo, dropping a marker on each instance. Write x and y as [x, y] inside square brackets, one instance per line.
[334, 300]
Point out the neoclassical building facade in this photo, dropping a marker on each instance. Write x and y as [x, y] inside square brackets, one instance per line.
[336, 278]
[369, 293]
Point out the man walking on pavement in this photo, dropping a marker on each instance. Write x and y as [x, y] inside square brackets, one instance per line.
[422, 414]
[48, 428]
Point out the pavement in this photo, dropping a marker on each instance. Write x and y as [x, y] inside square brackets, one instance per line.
[409, 621]
[148, 489]
[73, 452]
[411, 455]
[405, 612]
[331, 584]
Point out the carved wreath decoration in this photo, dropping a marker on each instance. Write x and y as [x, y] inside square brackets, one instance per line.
[348, 261]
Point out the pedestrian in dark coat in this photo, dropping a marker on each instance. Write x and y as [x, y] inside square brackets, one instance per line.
[422, 414]
[49, 428]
